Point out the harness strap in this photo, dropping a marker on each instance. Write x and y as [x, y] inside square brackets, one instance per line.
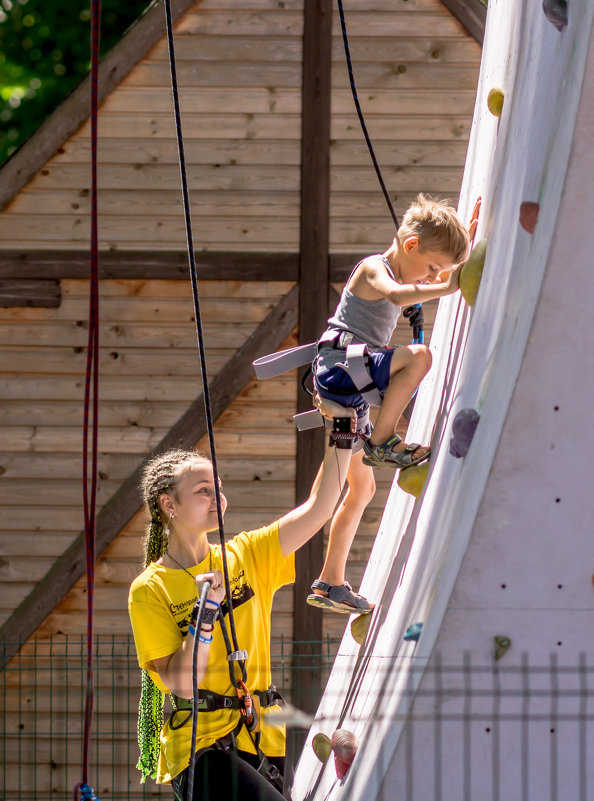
[209, 701]
[357, 368]
[283, 360]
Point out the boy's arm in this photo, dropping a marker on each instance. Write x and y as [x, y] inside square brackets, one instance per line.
[300, 524]
[379, 281]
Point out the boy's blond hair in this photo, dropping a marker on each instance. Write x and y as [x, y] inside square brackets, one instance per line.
[437, 226]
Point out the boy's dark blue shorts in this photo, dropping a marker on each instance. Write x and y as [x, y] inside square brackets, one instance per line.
[336, 385]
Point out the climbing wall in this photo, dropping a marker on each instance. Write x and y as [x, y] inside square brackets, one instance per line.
[499, 545]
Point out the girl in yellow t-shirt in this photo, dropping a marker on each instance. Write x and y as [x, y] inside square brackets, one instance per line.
[231, 763]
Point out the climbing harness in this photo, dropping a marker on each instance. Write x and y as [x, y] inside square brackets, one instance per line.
[235, 655]
[91, 380]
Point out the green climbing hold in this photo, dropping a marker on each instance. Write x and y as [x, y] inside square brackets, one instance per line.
[322, 746]
[495, 100]
[413, 479]
[360, 627]
[502, 645]
[472, 271]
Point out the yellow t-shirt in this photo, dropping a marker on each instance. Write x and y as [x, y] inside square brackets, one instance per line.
[160, 604]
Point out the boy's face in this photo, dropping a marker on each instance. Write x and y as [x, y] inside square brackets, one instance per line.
[418, 266]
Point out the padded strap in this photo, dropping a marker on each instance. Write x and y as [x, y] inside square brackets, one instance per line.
[306, 420]
[283, 360]
[356, 368]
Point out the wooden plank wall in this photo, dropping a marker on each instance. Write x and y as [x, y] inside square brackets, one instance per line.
[416, 71]
[149, 376]
[240, 73]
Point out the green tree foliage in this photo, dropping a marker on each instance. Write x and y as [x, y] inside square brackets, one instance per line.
[45, 53]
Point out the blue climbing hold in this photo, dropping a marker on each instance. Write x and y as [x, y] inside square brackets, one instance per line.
[413, 632]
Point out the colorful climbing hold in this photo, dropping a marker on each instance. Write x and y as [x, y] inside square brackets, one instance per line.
[502, 645]
[413, 479]
[413, 632]
[463, 429]
[344, 745]
[495, 100]
[360, 627]
[322, 746]
[556, 13]
[529, 215]
[471, 272]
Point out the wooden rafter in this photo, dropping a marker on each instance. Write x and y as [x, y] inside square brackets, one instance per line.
[314, 284]
[125, 503]
[472, 14]
[74, 110]
[166, 265]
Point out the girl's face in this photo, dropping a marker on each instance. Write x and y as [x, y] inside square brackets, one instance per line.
[194, 505]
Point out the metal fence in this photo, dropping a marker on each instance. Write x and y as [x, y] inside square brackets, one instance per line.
[470, 732]
[42, 697]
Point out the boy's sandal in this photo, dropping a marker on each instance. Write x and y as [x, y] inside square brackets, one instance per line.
[338, 599]
[376, 455]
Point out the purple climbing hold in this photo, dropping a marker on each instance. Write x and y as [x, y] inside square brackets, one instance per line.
[463, 429]
[556, 13]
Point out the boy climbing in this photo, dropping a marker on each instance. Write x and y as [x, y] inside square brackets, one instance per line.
[355, 367]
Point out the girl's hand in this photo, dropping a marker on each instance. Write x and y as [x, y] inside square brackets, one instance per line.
[217, 585]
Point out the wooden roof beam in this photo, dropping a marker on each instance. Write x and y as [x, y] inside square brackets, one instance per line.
[75, 109]
[166, 265]
[472, 14]
[125, 503]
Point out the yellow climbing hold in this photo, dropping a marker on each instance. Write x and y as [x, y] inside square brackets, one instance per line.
[322, 746]
[360, 627]
[471, 272]
[495, 102]
[412, 480]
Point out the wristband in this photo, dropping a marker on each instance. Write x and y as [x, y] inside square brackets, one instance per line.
[214, 603]
[208, 615]
[205, 640]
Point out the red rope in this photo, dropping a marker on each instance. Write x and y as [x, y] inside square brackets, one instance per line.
[91, 406]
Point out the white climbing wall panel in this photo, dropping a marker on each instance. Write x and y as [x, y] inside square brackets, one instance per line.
[501, 542]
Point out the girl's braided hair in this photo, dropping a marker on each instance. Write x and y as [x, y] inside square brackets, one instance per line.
[159, 475]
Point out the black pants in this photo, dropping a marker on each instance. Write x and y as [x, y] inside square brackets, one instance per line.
[227, 776]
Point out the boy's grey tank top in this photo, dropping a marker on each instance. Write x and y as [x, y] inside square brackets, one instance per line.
[371, 321]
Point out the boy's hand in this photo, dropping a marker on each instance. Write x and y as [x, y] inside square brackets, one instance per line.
[453, 281]
[472, 225]
[330, 409]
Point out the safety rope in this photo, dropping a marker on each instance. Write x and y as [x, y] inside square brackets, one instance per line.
[418, 333]
[235, 653]
[91, 381]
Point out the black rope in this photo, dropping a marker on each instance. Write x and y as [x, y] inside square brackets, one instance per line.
[199, 329]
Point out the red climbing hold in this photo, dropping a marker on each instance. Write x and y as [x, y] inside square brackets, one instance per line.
[556, 13]
[344, 745]
[529, 216]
